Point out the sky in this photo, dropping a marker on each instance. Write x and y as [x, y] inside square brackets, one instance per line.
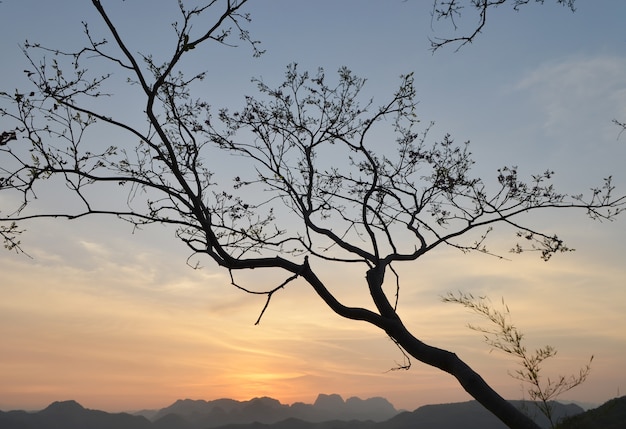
[117, 321]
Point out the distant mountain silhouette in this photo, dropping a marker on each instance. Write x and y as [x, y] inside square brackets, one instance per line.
[328, 412]
[610, 415]
[71, 415]
[470, 415]
[301, 424]
[221, 412]
[332, 412]
[172, 421]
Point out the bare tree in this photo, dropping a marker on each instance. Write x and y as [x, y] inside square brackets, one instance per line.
[621, 125]
[451, 11]
[503, 335]
[315, 189]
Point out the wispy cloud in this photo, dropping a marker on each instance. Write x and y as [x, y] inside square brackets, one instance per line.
[580, 91]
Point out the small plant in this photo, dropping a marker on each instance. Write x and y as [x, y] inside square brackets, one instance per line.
[505, 336]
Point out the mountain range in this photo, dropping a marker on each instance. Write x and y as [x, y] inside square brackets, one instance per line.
[328, 412]
[210, 414]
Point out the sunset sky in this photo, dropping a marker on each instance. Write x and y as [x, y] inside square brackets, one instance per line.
[117, 321]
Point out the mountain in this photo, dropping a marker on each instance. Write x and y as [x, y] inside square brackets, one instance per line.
[333, 407]
[71, 415]
[221, 412]
[470, 415]
[199, 414]
[328, 412]
[301, 424]
[610, 415]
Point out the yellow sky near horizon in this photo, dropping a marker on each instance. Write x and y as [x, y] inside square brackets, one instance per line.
[112, 330]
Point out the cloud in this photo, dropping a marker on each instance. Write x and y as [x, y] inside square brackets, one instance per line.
[582, 92]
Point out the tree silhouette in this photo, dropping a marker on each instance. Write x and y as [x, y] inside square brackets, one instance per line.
[315, 187]
[503, 335]
[451, 11]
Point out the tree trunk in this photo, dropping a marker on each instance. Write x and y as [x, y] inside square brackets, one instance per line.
[467, 377]
[389, 321]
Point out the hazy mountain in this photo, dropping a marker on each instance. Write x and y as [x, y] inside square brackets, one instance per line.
[71, 415]
[172, 421]
[221, 412]
[611, 415]
[333, 407]
[466, 415]
[268, 413]
[469, 415]
[301, 424]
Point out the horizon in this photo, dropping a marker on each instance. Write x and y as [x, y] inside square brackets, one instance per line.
[582, 404]
[109, 316]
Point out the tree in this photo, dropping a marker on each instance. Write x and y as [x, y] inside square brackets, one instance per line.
[506, 337]
[621, 125]
[319, 191]
[451, 11]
